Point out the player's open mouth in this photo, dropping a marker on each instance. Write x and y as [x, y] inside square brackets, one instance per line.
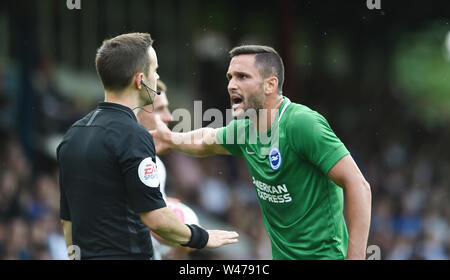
[236, 100]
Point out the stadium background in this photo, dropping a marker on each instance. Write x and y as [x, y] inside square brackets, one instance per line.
[380, 77]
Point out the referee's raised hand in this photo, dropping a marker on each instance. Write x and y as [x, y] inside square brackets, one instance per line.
[219, 238]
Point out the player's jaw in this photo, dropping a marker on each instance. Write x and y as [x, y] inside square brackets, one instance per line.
[241, 103]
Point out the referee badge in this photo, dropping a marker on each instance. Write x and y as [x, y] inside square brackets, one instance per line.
[147, 173]
[275, 158]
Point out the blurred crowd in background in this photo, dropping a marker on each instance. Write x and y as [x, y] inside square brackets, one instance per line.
[403, 155]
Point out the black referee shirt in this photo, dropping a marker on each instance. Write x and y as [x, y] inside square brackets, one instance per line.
[107, 177]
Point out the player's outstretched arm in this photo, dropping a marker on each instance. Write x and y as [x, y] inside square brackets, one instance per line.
[357, 199]
[200, 142]
[168, 226]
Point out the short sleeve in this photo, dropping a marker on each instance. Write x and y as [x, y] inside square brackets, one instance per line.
[232, 136]
[64, 212]
[135, 154]
[312, 138]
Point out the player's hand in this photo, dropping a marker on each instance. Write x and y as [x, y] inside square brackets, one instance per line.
[219, 238]
[161, 136]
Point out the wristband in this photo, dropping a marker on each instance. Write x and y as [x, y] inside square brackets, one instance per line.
[199, 237]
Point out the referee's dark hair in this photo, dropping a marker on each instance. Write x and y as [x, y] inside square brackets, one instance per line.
[267, 60]
[120, 58]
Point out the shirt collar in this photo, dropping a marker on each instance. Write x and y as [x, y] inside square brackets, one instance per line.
[117, 107]
[283, 107]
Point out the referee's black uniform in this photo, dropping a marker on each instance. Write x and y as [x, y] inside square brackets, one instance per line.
[107, 177]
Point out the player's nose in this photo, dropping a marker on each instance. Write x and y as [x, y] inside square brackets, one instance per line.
[232, 85]
[166, 116]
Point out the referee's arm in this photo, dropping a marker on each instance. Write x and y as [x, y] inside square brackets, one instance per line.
[358, 199]
[65, 212]
[167, 225]
[67, 228]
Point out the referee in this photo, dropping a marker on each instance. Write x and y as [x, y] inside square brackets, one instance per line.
[110, 195]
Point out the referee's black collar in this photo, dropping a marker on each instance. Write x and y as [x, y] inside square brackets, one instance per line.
[118, 107]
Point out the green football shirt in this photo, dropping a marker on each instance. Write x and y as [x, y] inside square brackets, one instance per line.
[301, 206]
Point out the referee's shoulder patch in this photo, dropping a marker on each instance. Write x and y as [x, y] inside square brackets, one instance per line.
[148, 173]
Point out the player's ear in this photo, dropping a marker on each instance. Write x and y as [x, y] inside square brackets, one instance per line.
[270, 85]
[137, 80]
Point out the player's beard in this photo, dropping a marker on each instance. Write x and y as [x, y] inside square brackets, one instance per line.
[253, 101]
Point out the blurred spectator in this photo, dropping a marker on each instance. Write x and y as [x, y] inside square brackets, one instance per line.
[215, 194]
[54, 111]
[17, 241]
[402, 249]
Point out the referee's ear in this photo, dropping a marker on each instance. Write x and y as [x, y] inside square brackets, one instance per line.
[137, 80]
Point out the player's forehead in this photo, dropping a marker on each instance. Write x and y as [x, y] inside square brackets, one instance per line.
[244, 63]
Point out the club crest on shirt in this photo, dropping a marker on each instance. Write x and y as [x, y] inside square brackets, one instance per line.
[148, 173]
[275, 158]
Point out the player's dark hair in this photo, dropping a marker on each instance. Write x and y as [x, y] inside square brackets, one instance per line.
[267, 60]
[120, 58]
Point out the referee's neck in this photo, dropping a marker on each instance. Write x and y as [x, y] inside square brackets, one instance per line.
[126, 98]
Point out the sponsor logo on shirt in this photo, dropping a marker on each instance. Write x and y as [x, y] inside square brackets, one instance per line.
[274, 194]
[148, 173]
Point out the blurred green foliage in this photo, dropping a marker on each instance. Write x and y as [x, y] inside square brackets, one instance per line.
[422, 71]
